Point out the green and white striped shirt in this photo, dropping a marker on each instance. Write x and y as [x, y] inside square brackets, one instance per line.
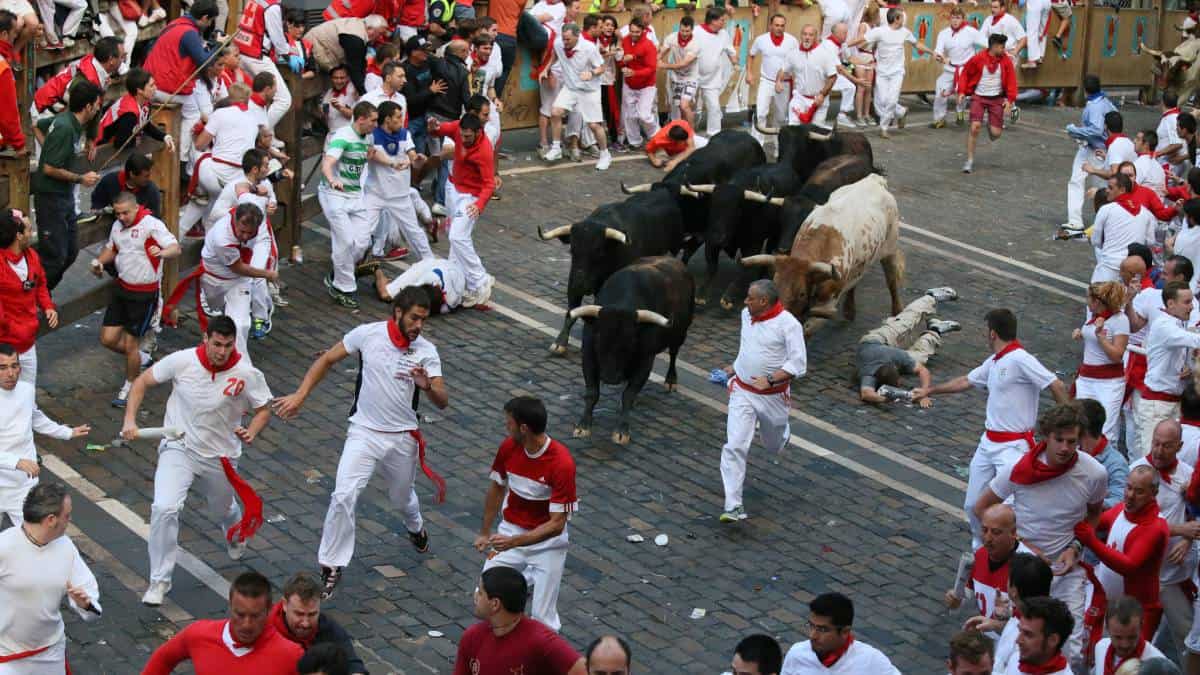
[350, 149]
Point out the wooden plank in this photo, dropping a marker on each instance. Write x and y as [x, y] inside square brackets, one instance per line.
[286, 220]
[1113, 51]
[165, 174]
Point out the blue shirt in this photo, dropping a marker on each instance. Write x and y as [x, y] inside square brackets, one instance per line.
[1091, 127]
[1118, 470]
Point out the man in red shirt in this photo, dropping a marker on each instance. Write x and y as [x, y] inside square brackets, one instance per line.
[12, 138]
[467, 193]
[991, 81]
[640, 68]
[672, 144]
[988, 584]
[1132, 554]
[243, 643]
[23, 291]
[505, 640]
[538, 475]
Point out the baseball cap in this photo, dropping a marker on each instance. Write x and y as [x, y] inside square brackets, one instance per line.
[417, 42]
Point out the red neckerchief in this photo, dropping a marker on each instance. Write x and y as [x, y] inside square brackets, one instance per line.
[202, 354]
[1010, 347]
[997, 18]
[1170, 111]
[954, 31]
[1029, 470]
[142, 212]
[1146, 515]
[1126, 201]
[243, 106]
[1189, 421]
[258, 100]
[776, 40]
[1165, 474]
[832, 657]
[374, 69]
[399, 339]
[1112, 663]
[1150, 154]
[709, 29]
[683, 43]
[992, 62]
[279, 622]
[835, 41]
[605, 40]
[1099, 315]
[1100, 446]
[1147, 282]
[1054, 665]
[340, 92]
[13, 258]
[569, 52]
[771, 313]
[809, 48]
[588, 37]
[1112, 137]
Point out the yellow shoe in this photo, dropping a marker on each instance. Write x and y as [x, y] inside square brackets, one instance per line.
[937, 124]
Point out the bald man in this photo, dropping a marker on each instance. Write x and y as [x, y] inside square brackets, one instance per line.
[609, 655]
[989, 573]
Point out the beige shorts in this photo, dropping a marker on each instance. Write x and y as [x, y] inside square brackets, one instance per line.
[586, 103]
[19, 7]
[1063, 10]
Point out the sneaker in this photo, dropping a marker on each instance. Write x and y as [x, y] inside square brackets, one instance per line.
[937, 124]
[330, 578]
[67, 42]
[158, 14]
[902, 120]
[733, 515]
[398, 253]
[553, 154]
[1072, 227]
[122, 396]
[960, 117]
[420, 540]
[604, 162]
[277, 298]
[968, 166]
[1058, 43]
[575, 154]
[485, 292]
[542, 150]
[438, 210]
[146, 359]
[942, 293]
[366, 268]
[1014, 114]
[155, 594]
[235, 549]
[843, 120]
[346, 300]
[616, 146]
[943, 326]
[143, 21]
[258, 330]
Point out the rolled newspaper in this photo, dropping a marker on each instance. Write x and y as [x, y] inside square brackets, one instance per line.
[963, 575]
[155, 433]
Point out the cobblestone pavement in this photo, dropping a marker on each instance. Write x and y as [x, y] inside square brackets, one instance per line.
[864, 501]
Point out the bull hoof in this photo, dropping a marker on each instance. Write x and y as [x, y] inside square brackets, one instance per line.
[620, 438]
[582, 432]
[701, 300]
[726, 303]
[671, 386]
[558, 350]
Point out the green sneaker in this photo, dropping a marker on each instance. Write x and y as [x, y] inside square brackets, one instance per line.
[733, 515]
[346, 300]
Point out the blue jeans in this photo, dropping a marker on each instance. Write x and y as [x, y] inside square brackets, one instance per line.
[420, 136]
[508, 56]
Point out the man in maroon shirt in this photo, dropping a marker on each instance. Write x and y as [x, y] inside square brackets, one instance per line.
[505, 640]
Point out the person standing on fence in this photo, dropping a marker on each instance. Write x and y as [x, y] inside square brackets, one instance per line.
[179, 51]
[53, 184]
[1037, 23]
[260, 33]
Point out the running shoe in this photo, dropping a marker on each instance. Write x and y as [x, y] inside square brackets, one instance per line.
[943, 326]
[330, 578]
[942, 293]
[553, 154]
[155, 594]
[937, 124]
[843, 120]
[122, 396]
[259, 329]
[604, 162]
[968, 166]
[733, 515]
[420, 540]
[235, 549]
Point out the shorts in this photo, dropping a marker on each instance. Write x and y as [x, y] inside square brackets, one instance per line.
[993, 105]
[586, 103]
[547, 95]
[19, 7]
[1061, 9]
[131, 310]
[684, 90]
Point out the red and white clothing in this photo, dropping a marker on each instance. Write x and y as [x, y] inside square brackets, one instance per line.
[21, 418]
[437, 271]
[33, 582]
[989, 581]
[1107, 662]
[1131, 557]
[347, 96]
[1150, 173]
[856, 658]
[530, 648]
[538, 484]
[137, 270]
[770, 342]
[683, 83]
[771, 105]
[1119, 149]
[211, 648]
[639, 93]
[715, 48]
[1007, 25]
[1175, 580]
[1037, 26]
[1101, 378]
[1014, 379]
[1168, 346]
[472, 180]
[1168, 134]
[261, 34]
[957, 47]
[810, 71]
[1057, 666]
[54, 91]
[891, 45]
[19, 307]
[226, 291]
[1117, 225]
[383, 432]
[234, 129]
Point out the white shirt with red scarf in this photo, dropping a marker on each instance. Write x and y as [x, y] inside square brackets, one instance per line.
[137, 270]
[770, 342]
[222, 249]
[1117, 225]
[1167, 348]
[855, 658]
[1048, 501]
[1014, 379]
[1107, 662]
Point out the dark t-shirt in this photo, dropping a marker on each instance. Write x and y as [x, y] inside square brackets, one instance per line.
[531, 649]
[59, 150]
[110, 186]
[872, 355]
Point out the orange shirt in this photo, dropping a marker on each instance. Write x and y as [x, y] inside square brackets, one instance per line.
[661, 141]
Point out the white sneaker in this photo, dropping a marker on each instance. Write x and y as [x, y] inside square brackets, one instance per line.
[553, 154]
[236, 549]
[438, 210]
[605, 161]
[843, 120]
[155, 594]
[158, 14]
[485, 291]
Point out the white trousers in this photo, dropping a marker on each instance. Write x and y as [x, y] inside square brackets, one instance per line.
[53, 661]
[1037, 13]
[770, 107]
[462, 246]
[211, 178]
[283, 97]
[1178, 613]
[70, 24]
[1109, 393]
[350, 234]
[847, 89]
[1147, 414]
[1071, 588]
[989, 457]
[395, 217]
[12, 501]
[396, 456]
[1077, 186]
[943, 92]
[637, 113]
[28, 361]
[261, 304]
[542, 566]
[887, 97]
[178, 468]
[711, 99]
[770, 411]
[231, 297]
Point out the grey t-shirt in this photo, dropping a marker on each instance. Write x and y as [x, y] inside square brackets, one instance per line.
[872, 355]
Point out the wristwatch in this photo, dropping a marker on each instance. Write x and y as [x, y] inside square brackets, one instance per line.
[771, 380]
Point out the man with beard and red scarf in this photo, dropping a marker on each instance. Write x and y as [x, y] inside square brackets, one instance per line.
[213, 388]
[396, 365]
[298, 617]
[1132, 554]
[1124, 642]
[1044, 627]
[831, 647]
[1054, 486]
[990, 80]
[1119, 223]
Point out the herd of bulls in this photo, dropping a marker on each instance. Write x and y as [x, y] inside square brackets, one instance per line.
[819, 216]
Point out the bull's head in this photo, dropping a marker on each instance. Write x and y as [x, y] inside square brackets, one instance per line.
[589, 242]
[615, 337]
[806, 287]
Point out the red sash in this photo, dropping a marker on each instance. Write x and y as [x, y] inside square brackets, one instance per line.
[9, 658]
[781, 388]
[252, 505]
[195, 178]
[1107, 371]
[438, 481]
[1135, 373]
[1010, 436]
[1151, 395]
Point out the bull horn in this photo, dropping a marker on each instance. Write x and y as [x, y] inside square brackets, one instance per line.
[826, 311]
[824, 268]
[755, 196]
[777, 201]
[816, 135]
[644, 187]
[761, 260]
[615, 235]
[763, 129]
[646, 316]
[688, 193]
[585, 312]
[706, 188]
[557, 233]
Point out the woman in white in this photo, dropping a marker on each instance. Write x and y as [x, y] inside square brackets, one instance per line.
[890, 43]
[1105, 337]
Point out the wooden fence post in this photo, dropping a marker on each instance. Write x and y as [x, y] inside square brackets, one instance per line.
[165, 174]
[288, 192]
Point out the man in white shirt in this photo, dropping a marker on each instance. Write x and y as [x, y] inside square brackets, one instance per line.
[231, 130]
[551, 14]
[768, 54]
[714, 46]
[1120, 148]
[1169, 142]
[833, 12]
[1006, 24]
[19, 467]
[1147, 167]
[212, 389]
[679, 56]
[443, 280]
[1044, 626]
[1168, 346]
[1123, 623]
[227, 277]
[1053, 487]
[846, 83]
[387, 182]
[1014, 379]
[582, 67]
[771, 354]
[39, 565]
[954, 47]
[889, 43]
[396, 365]
[338, 101]
[1118, 224]
[832, 646]
[389, 88]
[812, 72]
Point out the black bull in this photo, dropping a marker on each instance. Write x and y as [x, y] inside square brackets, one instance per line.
[640, 311]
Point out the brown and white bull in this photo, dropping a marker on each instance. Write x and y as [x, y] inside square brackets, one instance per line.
[857, 227]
